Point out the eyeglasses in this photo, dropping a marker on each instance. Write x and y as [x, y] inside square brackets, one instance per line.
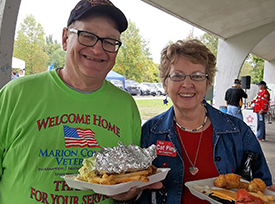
[198, 76]
[90, 39]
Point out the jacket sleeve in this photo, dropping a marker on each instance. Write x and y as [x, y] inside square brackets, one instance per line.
[264, 104]
[145, 197]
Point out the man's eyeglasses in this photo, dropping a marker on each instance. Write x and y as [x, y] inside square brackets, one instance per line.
[90, 39]
[198, 76]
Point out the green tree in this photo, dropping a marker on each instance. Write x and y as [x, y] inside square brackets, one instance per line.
[253, 67]
[55, 52]
[211, 42]
[57, 58]
[257, 73]
[246, 69]
[150, 73]
[134, 58]
[30, 45]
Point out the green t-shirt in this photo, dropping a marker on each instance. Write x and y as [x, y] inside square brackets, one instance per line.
[47, 129]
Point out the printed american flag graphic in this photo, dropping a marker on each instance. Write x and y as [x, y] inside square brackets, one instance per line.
[77, 137]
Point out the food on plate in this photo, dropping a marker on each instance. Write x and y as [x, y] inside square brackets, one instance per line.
[244, 197]
[228, 181]
[241, 197]
[221, 200]
[119, 164]
[87, 171]
[224, 194]
[231, 181]
[111, 179]
[243, 185]
[268, 199]
[256, 185]
[202, 189]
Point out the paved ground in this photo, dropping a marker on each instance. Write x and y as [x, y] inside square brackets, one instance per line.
[268, 147]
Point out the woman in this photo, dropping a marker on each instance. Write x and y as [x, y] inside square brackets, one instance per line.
[261, 108]
[194, 139]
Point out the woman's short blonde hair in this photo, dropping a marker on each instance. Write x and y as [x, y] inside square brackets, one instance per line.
[192, 50]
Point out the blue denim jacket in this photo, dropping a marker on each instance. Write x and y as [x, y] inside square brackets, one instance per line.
[232, 138]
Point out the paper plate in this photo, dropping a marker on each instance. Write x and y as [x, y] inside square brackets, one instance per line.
[210, 182]
[111, 190]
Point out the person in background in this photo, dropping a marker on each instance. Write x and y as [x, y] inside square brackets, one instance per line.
[14, 75]
[69, 113]
[233, 97]
[261, 107]
[193, 138]
[21, 73]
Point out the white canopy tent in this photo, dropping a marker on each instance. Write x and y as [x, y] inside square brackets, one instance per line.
[17, 63]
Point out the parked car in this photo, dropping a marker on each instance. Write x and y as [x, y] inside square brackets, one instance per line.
[153, 88]
[160, 88]
[144, 90]
[132, 87]
[117, 83]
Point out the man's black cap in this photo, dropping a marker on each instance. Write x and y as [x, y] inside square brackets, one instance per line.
[237, 81]
[102, 6]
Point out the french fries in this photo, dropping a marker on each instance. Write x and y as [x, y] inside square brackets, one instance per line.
[124, 177]
[268, 199]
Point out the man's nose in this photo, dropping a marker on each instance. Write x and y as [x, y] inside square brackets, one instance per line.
[98, 47]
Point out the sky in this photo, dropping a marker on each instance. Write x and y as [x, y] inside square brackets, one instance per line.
[155, 26]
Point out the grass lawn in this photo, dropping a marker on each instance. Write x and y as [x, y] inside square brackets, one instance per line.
[151, 107]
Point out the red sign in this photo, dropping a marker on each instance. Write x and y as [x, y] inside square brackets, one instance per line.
[166, 148]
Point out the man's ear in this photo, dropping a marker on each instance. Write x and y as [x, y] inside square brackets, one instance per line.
[65, 38]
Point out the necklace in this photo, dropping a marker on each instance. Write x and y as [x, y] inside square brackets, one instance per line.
[193, 170]
[185, 129]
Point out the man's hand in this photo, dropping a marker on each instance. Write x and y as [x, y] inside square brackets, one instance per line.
[133, 192]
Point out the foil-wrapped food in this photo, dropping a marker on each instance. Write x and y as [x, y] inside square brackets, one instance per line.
[124, 158]
[119, 164]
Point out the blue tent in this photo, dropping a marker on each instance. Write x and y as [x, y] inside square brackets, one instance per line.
[112, 75]
[50, 67]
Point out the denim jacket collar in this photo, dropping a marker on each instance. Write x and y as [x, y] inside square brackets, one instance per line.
[165, 123]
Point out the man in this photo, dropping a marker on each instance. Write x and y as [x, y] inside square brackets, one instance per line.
[261, 108]
[233, 98]
[68, 114]
[14, 75]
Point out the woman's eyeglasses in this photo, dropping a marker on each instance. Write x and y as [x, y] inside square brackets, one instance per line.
[198, 76]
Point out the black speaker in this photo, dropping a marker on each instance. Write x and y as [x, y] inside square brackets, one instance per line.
[246, 82]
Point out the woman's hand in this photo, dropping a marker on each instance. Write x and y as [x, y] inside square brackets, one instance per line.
[134, 192]
[272, 188]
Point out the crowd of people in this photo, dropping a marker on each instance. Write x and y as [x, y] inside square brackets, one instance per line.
[234, 103]
[15, 75]
[65, 103]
